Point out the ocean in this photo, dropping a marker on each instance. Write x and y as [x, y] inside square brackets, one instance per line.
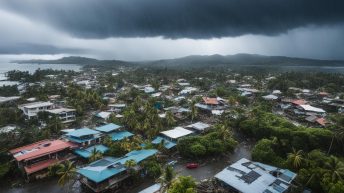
[31, 68]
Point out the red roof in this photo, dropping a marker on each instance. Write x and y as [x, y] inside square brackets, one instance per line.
[40, 149]
[40, 166]
[299, 102]
[321, 121]
[323, 93]
[210, 101]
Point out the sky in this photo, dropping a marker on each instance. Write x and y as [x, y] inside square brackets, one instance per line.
[156, 29]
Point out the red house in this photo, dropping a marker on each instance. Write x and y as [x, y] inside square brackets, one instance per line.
[34, 159]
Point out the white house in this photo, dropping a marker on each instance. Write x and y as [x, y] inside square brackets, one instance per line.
[176, 133]
[31, 109]
[66, 115]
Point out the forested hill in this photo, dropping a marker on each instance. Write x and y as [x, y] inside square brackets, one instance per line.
[73, 60]
[242, 60]
[197, 61]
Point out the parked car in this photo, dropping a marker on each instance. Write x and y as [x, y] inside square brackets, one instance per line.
[192, 165]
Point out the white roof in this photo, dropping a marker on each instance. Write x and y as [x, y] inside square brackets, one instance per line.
[270, 97]
[156, 94]
[60, 110]
[249, 177]
[162, 115]
[217, 112]
[149, 89]
[276, 92]
[184, 84]
[104, 115]
[312, 109]
[176, 132]
[199, 126]
[36, 104]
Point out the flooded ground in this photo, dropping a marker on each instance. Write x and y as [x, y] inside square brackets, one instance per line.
[209, 168]
[206, 170]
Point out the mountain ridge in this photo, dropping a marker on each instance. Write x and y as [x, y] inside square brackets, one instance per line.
[195, 61]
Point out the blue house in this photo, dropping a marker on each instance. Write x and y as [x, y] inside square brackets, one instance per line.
[110, 172]
[84, 137]
[114, 131]
[167, 143]
[87, 152]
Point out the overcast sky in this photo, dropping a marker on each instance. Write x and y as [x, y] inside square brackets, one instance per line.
[156, 29]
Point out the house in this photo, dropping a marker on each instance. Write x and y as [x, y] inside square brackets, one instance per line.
[117, 108]
[103, 115]
[168, 144]
[66, 115]
[270, 97]
[311, 109]
[115, 132]
[210, 104]
[84, 137]
[31, 109]
[187, 91]
[109, 172]
[149, 89]
[34, 159]
[199, 127]
[176, 133]
[246, 176]
[87, 152]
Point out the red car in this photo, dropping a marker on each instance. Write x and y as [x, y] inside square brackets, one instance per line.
[192, 165]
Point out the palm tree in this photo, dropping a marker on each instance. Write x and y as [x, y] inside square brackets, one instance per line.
[95, 155]
[296, 158]
[335, 168]
[224, 131]
[166, 178]
[194, 111]
[66, 171]
[170, 118]
[337, 133]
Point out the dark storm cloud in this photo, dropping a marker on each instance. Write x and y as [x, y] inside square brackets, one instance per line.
[29, 48]
[179, 18]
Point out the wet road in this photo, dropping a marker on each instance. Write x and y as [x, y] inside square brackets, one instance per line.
[204, 171]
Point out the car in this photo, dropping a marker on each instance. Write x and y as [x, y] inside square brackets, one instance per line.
[192, 165]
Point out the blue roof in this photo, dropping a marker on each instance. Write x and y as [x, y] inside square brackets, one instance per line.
[82, 132]
[137, 155]
[107, 167]
[78, 140]
[108, 127]
[167, 143]
[86, 153]
[101, 170]
[117, 136]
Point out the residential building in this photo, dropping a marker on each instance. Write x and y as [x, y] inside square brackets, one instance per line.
[109, 172]
[84, 137]
[31, 109]
[176, 133]
[115, 132]
[34, 159]
[66, 115]
[246, 176]
[199, 127]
